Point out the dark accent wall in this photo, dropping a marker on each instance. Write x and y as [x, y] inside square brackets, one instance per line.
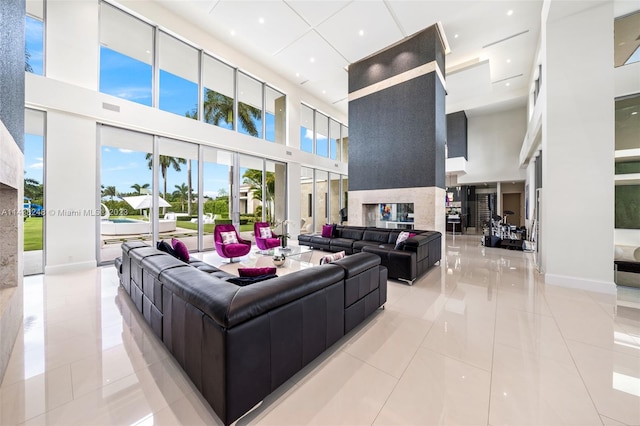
[12, 22]
[393, 140]
[414, 51]
[397, 135]
[457, 135]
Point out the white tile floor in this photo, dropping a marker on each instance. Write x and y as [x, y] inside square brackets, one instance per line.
[479, 340]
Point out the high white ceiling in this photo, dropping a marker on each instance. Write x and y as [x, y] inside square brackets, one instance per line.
[492, 43]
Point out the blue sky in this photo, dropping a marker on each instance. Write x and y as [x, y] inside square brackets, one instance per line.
[130, 79]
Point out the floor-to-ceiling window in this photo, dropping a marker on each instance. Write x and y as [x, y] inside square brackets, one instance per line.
[34, 203]
[334, 198]
[126, 185]
[275, 116]
[34, 37]
[177, 185]
[126, 55]
[306, 200]
[249, 106]
[321, 199]
[179, 67]
[216, 190]
[334, 140]
[306, 128]
[322, 135]
[254, 199]
[218, 80]
[276, 185]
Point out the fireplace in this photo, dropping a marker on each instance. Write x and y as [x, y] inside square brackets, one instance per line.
[11, 228]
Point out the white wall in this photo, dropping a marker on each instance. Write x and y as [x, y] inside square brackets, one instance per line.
[578, 148]
[74, 107]
[493, 143]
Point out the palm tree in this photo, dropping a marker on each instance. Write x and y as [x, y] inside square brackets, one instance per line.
[139, 187]
[27, 58]
[253, 178]
[218, 108]
[182, 193]
[110, 191]
[165, 162]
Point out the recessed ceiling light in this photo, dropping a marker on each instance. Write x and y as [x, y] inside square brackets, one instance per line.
[233, 32]
[261, 20]
[297, 74]
[634, 113]
[508, 84]
[508, 61]
[148, 51]
[509, 12]
[455, 36]
[324, 92]
[361, 32]
[312, 59]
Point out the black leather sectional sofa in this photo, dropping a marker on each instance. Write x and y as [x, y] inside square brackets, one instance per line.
[411, 259]
[238, 344]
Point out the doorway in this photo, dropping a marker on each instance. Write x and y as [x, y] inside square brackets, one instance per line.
[512, 202]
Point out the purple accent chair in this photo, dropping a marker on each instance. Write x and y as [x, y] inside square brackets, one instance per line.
[230, 251]
[265, 243]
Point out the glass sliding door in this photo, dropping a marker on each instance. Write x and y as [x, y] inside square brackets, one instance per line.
[178, 186]
[216, 191]
[125, 184]
[344, 202]
[334, 198]
[254, 197]
[321, 200]
[306, 200]
[276, 185]
[34, 149]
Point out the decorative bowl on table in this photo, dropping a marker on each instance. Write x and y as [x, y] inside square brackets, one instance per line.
[279, 259]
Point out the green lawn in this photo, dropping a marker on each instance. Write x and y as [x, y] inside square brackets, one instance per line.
[33, 230]
[33, 234]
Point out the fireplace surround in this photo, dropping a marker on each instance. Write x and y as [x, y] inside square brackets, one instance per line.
[11, 228]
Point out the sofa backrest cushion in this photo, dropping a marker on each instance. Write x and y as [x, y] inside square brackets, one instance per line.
[352, 233]
[257, 299]
[376, 236]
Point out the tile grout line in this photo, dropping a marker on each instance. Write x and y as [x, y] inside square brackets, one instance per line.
[493, 351]
[575, 365]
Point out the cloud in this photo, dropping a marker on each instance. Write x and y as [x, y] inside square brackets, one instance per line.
[38, 165]
[125, 151]
[105, 149]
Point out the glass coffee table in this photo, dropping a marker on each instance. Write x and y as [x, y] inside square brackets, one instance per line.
[296, 257]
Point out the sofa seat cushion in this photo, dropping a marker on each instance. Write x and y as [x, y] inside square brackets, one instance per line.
[305, 238]
[342, 244]
[319, 240]
[358, 245]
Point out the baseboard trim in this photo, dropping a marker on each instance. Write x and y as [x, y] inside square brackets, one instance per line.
[69, 267]
[607, 287]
